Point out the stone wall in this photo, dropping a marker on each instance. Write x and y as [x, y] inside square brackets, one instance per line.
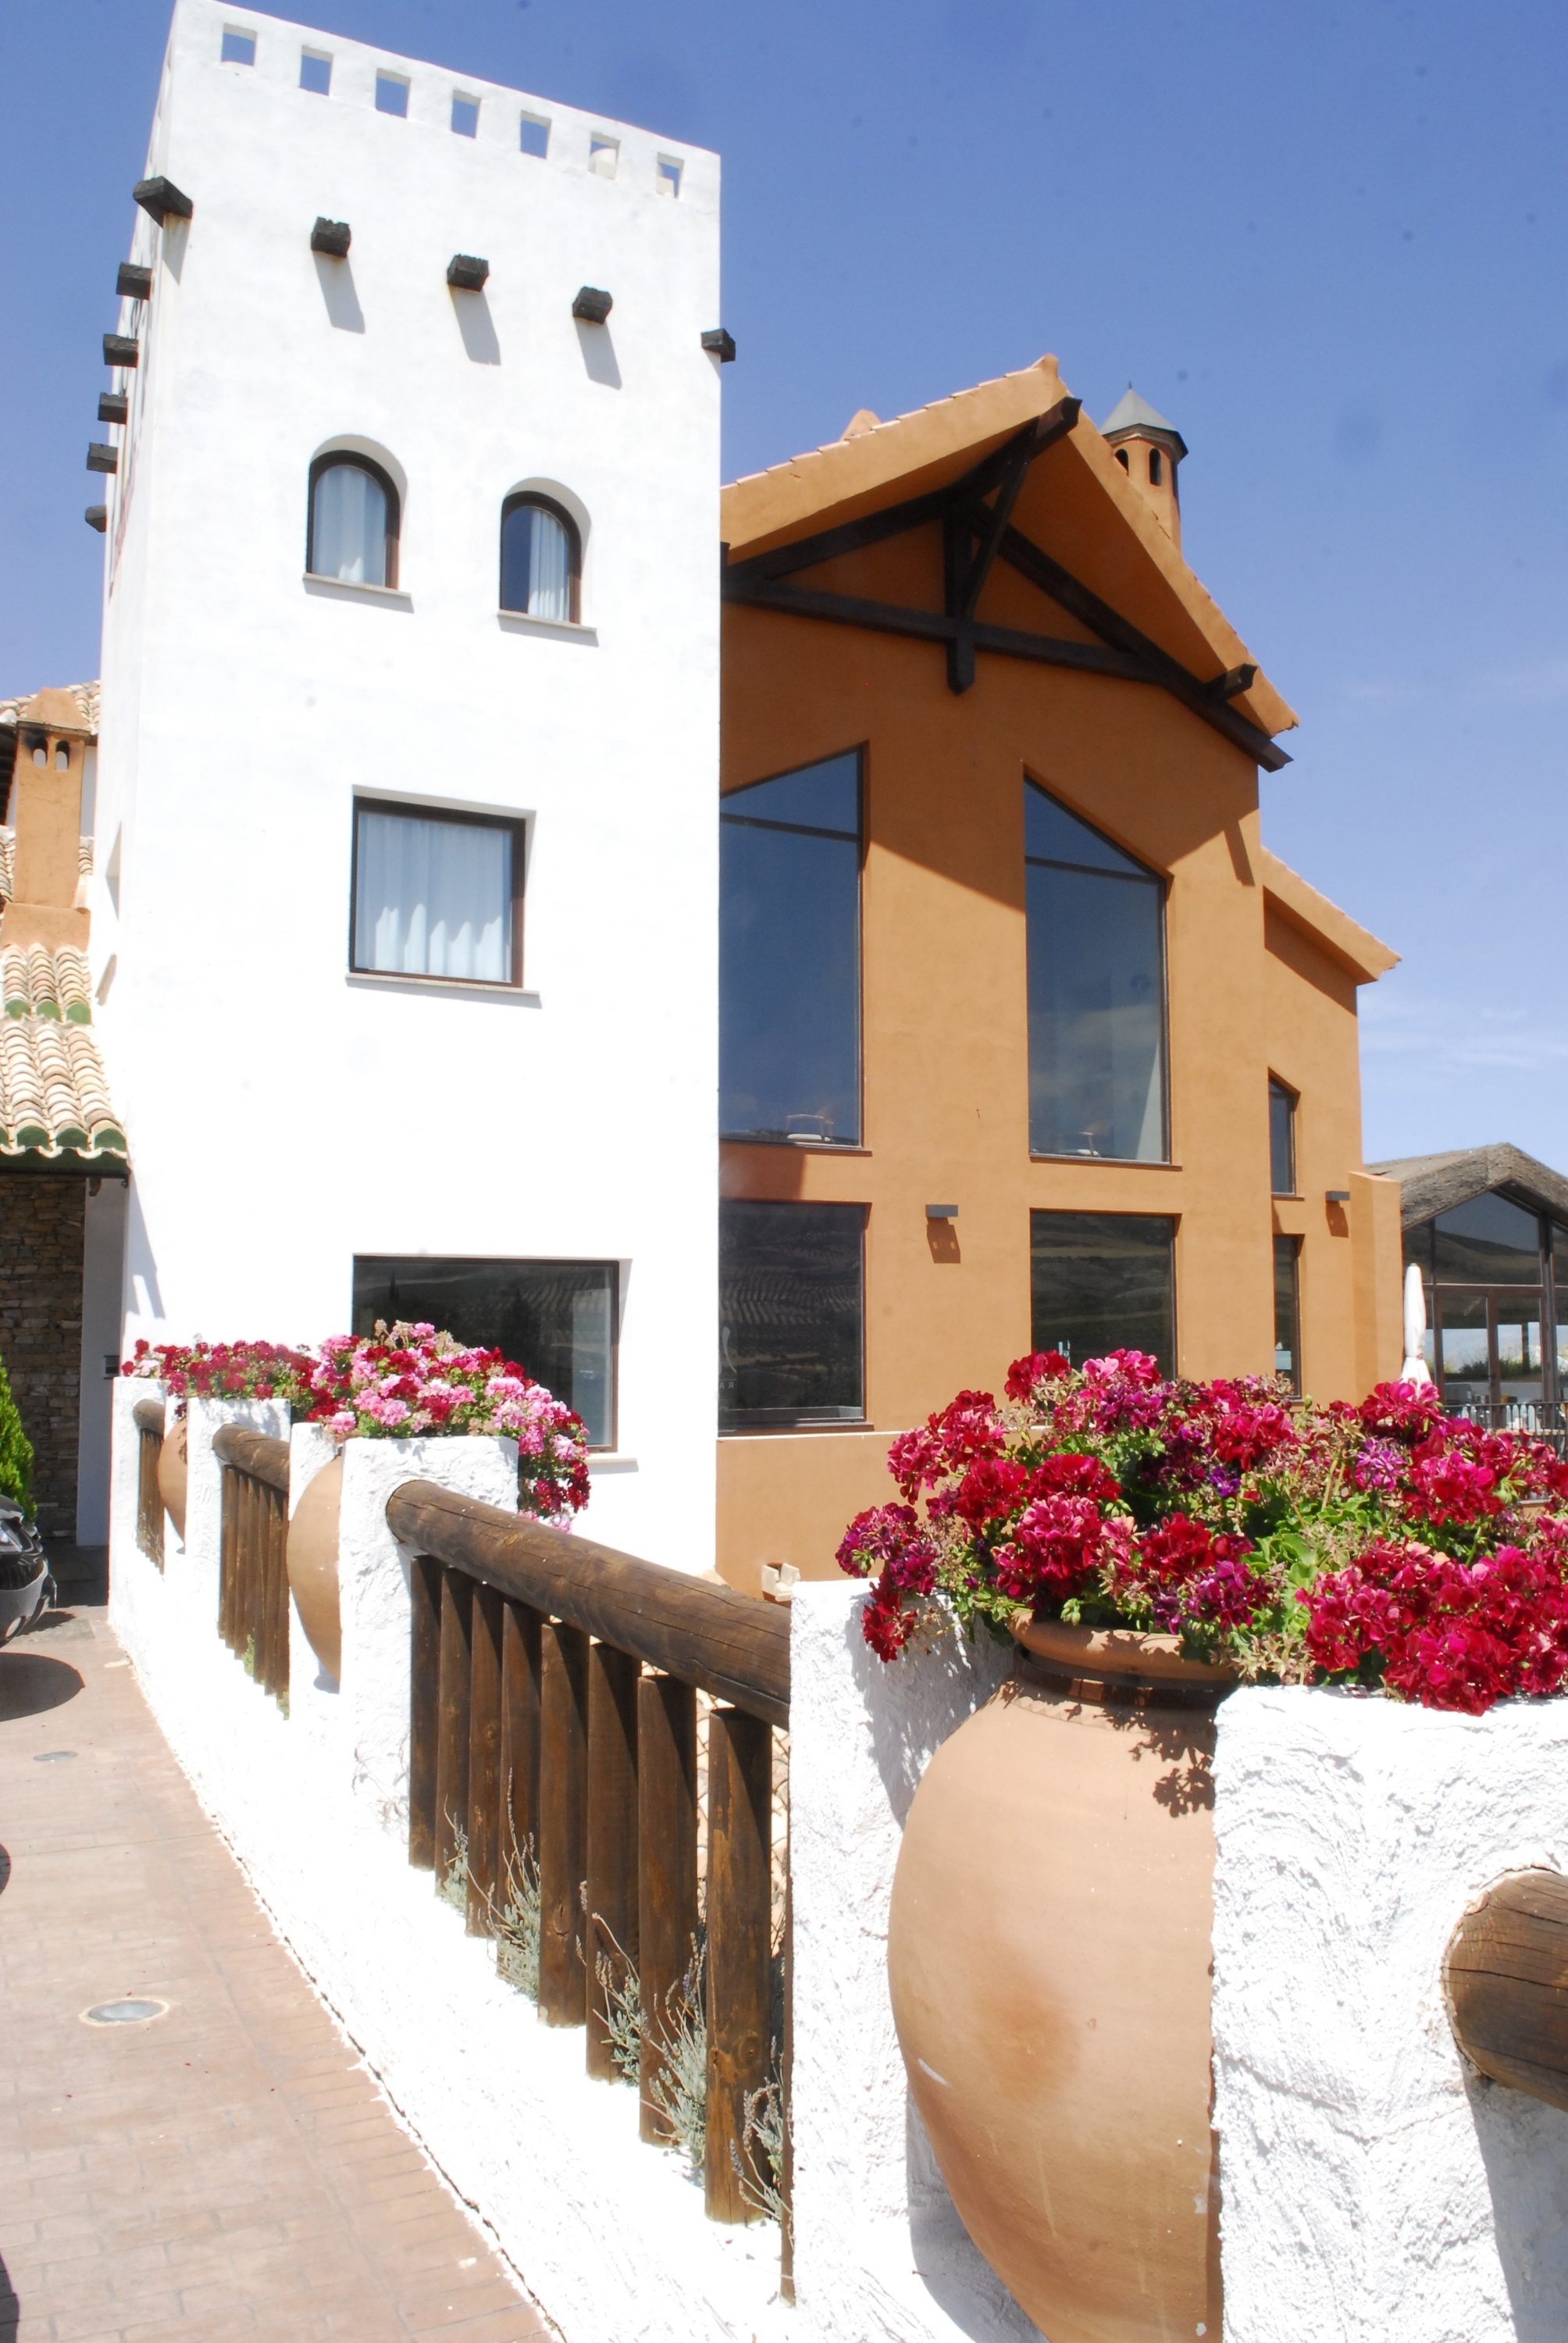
[41, 1236]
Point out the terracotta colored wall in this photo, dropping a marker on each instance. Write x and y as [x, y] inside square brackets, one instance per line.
[945, 1049]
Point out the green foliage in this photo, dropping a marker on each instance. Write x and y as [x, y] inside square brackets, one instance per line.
[15, 1448]
[515, 1923]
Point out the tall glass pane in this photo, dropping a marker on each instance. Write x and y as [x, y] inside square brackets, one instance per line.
[1560, 1280]
[1488, 1241]
[1466, 1370]
[1517, 1312]
[1282, 1140]
[1288, 1311]
[433, 898]
[556, 1318]
[789, 956]
[1096, 991]
[790, 1313]
[348, 526]
[536, 563]
[1103, 1281]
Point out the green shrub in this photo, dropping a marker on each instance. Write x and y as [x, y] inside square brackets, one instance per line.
[15, 1448]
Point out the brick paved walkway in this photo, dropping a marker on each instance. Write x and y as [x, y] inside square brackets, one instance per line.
[229, 2169]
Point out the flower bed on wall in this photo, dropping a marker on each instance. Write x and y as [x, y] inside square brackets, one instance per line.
[1385, 1545]
[403, 1383]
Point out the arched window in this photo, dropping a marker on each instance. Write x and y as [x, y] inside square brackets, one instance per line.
[354, 518]
[1156, 468]
[541, 559]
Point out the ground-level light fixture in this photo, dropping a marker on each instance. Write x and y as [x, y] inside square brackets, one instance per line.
[593, 304]
[466, 273]
[331, 236]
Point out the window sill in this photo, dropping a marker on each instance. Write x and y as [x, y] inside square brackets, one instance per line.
[357, 592]
[808, 1428]
[520, 622]
[1115, 1162]
[794, 1146]
[380, 980]
[609, 1460]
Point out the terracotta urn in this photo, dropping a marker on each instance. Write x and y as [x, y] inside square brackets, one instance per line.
[313, 1564]
[1048, 1961]
[174, 1473]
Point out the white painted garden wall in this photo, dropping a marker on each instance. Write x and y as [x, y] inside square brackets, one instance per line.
[1373, 2191]
[264, 1088]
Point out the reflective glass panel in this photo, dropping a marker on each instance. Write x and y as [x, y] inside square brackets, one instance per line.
[1103, 1281]
[1096, 991]
[1518, 1318]
[1282, 1140]
[349, 526]
[1560, 1279]
[536, 563]
[1488, 1241]
[556, 1318]
[789, 956]
[790, 1313]
[1466, 1368]
[1287, 1310]
[433, 898]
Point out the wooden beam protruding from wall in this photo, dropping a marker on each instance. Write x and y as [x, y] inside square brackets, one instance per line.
[1506, 1977]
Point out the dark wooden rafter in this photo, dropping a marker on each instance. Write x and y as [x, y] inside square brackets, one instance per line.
[976, 534]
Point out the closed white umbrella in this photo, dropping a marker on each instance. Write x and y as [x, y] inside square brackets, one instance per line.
[1415, 1369]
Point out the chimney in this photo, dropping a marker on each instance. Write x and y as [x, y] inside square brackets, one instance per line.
[45, 811]
[1148, 449]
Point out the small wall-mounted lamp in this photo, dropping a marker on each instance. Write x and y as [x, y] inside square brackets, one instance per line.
[331, 236]
[163, 199]
[942, 1212]
[120, 349]
[465, 273]
[133, 284]
[97, 517]
[101, 458]
[592, 304]
[720, 344]
[114, 407]
[1337, 1196]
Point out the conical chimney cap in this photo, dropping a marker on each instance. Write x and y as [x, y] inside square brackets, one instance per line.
[1133, 414]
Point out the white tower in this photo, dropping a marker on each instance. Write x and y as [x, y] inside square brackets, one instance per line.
[404, 931]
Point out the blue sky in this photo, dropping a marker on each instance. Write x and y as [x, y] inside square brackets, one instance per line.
[1329, 242]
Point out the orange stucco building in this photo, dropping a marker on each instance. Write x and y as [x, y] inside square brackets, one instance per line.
[1095, 1022]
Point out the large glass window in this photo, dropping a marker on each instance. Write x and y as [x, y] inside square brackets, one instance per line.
[1288, 1310]
[1282, 1137]
[1489, 1342]
[556, 1318]
[1103, 1281]
[437, 894]
[354, 516]
[790, 1315]
[1096, 990]
[789, 956]
[541, 560]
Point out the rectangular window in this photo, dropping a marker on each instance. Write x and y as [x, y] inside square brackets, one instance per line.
[315, 71]
[558, 1318]
[789, 956]
[1103, 1281]
[239, 47]
[534, 135]
[437, 894]
[1282, 1138]
[790, 1315]
[391, 93]
[1096, 925]
[1288, 1311]
[465, 117]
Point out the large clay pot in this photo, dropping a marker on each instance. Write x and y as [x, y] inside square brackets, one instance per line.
[313, 1564]
[1049, 1959]
[174, 1473]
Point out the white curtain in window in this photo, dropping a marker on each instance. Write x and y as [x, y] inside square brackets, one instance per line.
[348, 526]
[549, 567]
[433, 898]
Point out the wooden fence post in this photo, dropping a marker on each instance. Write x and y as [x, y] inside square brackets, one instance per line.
[452, 1728]
[228, 1538]
[484, 1761]
[610, 1861]
[563, 1772]
[424, 1706]
[739, 1946]
[519, 1733]
[667, 1890]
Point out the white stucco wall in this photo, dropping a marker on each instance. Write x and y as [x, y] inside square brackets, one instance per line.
[1375, 2190]
[283, 1114]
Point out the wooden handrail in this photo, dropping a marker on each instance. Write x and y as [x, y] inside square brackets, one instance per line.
[147, 1415]
[254, 1454]
[734, 1646]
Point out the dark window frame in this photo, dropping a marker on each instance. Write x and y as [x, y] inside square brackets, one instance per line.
[760, 1422]
[1295, 1244]
[535, 1261]
[1166, 1159]
[1420, 1250]
[1172, 1223]
[862, 752]
[1293, 1098]
[408, 810]
[516, 502]
[331, 461]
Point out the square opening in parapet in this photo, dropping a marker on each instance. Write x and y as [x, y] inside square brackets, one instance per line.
[391, 93]
[464, 116]
[534, 135]
[239, 47]
[315, 71]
